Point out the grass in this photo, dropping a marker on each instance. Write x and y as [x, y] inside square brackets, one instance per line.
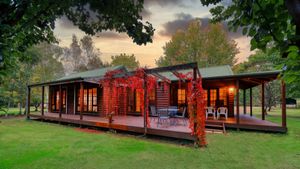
[15, 111]
[31, 144]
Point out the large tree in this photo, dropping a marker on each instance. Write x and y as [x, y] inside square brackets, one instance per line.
[268, 23]
[208, 46]
[81, 55]
[25, 23]
[129, 61]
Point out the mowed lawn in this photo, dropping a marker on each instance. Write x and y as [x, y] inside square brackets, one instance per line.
[31, 144]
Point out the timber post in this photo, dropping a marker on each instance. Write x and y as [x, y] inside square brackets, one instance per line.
[283, 104]
[145, 104]
[60, 101]
[250, 94]
[43, 99]
[244, 100]
[28, 103]
[237, 104]
[263, 101]
[81, 100]
[195, 105]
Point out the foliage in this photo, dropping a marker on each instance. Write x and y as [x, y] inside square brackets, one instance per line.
[81, 56]
[279, 27]
[129, 61]
[207, 46]
[41, 65]
[26, 23]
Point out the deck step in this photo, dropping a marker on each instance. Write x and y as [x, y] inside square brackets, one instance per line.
[216, 127]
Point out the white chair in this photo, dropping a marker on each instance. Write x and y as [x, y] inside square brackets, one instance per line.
[210, 110]
[222, 111]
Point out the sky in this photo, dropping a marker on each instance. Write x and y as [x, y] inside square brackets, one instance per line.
[166, 16]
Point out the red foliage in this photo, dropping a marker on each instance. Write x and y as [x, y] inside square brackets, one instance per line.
[119, 85]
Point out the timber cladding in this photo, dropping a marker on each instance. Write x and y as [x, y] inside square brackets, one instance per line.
[162, 95]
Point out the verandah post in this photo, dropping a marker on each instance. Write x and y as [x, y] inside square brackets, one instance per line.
[263, 101]
[195, 103]
[237, 104]
[60, 101]
[81, 100]
[244, 100]
[145, 103]
[283, 104]
[43, 95]
[250, 101]
[28, 102]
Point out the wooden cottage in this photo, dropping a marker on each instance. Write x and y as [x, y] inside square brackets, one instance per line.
[78, 98]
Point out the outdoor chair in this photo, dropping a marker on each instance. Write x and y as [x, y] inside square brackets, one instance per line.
[163, 118]
[153, 113]
[182, 116]
[222, 111]
[210, 110]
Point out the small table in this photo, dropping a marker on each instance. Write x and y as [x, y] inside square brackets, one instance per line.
[171, 112]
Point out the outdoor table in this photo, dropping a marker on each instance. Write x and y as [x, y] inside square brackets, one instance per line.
[171, 112]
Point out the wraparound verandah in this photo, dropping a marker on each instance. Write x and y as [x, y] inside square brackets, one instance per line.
[138, 123]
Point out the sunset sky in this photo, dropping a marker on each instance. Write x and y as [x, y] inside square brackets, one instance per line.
[166, 17]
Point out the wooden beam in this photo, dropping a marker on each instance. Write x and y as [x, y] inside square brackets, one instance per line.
[60, 101]
[244, 100]
[161, 77]
[237, 86]
[178, 75]
[43, 95]
[283, 104]
[81, 100]
[263, 101]
[195, 106]
[250, 101]
[28, 102]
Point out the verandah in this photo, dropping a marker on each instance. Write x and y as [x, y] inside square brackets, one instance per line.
[116, 83]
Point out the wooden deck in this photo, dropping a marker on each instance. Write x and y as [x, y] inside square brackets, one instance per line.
[136, 123]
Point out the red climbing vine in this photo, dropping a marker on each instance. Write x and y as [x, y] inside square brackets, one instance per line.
[115, 83]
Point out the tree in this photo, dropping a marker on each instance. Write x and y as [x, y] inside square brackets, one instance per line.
[208, 46]
[25, 23]
[81, 55]
[129, 61]
[92, 54]
[267, 22]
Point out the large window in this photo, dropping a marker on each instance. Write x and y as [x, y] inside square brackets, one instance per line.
[138, 94]
[55, 99]
[181, 95]
[213, 97]
[223, 96]
[89, 100]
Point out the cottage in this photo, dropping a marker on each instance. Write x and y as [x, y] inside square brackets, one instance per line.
[81, 99]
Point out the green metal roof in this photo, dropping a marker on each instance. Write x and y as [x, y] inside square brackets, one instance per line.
[208, 72]
[223, 70]
[92, 73]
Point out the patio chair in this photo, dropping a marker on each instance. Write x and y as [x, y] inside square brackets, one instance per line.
[163, 118]
[182, 116]
[222, 111]
[210, 110]
[153, 113]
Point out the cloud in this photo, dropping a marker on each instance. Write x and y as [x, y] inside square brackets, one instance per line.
[163, 3]
[146, 14]
[64, 22]
[111, 35]
[182, 21]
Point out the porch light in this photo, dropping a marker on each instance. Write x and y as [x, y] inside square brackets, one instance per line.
[231, 89]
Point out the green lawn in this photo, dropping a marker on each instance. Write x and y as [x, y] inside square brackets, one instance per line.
[15, 111]
[31, 144]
